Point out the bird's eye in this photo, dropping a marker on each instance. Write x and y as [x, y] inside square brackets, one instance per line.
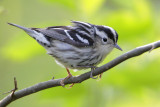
[104, 39]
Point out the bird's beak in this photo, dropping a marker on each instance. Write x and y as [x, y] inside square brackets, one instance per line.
[118, 47]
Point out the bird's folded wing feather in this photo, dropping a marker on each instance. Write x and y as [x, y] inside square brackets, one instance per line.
[62, 33]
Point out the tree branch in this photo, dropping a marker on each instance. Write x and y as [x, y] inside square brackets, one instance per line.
[78, 79]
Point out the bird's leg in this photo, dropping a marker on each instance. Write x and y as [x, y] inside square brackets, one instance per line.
[91, 75]
[71, 85]
[69, 75]
[100, 76]
[92, 69]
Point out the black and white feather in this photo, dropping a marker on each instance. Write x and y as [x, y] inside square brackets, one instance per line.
[82, 34]
[79, 46]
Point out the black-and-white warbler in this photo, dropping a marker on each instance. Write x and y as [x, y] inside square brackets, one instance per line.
[80, 46]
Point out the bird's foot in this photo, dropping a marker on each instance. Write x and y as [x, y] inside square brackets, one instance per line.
[69, 76]
[92, 69]
[100, 76]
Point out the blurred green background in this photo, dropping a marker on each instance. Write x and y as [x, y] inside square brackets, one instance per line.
[133, 83]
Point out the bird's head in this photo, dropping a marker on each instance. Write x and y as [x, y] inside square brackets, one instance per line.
[107, 36]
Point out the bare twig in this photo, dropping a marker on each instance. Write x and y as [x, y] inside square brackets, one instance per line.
[13, 90]
[56, 82]
[15, 87]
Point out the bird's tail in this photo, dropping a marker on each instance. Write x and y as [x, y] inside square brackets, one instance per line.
[39, 37]
[27, 30]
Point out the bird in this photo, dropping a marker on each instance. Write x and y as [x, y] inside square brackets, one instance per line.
[79, 46]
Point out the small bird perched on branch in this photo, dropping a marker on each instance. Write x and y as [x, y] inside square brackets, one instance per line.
[80, 46]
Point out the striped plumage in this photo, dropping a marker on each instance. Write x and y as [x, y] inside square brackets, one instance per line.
[80, 46]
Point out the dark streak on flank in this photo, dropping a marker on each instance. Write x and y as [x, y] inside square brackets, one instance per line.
[84, 60]
[44, 44]
[65, 50]
[76, 58]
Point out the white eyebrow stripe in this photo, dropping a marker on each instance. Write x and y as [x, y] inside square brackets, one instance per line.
[101, 33]
[82, 39]
[68, 34]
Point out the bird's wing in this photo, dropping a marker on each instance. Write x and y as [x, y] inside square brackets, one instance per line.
[67, 34]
